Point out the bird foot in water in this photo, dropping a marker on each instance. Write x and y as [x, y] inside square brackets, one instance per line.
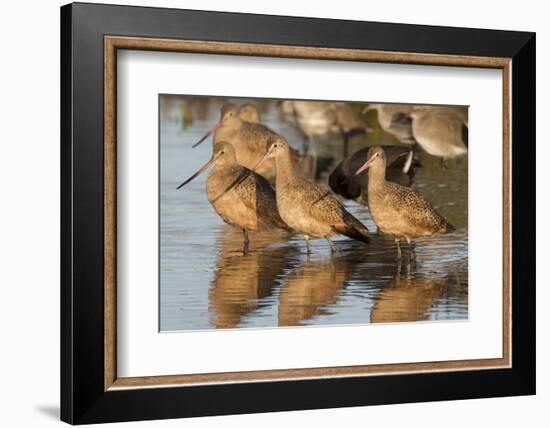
[333, 248]
[246, 241]
[308, 246]
[398, 257]
[412, 260]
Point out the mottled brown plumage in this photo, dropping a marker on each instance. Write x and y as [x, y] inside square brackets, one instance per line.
[249, 139]
[307, 207]
[398, 210]
[243, 198]
[239, 196]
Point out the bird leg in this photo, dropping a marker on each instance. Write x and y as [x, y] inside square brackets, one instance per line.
[444, 164]
[307, 244]
[411, 249]
[332, 246]
[398, 270]
[398, 249]
[409, 268]
[246, 241]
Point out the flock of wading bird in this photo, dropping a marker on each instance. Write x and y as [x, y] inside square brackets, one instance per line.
[254, 184]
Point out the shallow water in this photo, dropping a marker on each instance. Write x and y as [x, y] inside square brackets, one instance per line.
[206, 282]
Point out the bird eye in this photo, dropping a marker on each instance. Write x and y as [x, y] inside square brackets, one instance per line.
[222, 152]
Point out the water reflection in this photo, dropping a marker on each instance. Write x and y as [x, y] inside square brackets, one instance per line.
[315, 285]
[407, 298]
[244, 283]
[352, 286]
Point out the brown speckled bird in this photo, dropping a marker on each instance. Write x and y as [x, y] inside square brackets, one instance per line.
[308, 208]
[250, 140]
[239, 196]
[398, 210]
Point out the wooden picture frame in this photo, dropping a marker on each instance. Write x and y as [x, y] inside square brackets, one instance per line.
[91, 390]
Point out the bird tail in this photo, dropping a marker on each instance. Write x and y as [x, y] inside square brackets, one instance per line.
[353, 229]
[447, 227]
[356, 234]
[450, 228]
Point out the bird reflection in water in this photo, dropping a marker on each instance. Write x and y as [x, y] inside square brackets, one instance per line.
[278, 278]
[312, 288]
[242, 283]
[408, 297]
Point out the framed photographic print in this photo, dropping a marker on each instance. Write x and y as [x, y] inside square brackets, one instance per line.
[265, 213]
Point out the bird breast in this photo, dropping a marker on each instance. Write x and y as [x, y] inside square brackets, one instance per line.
[225, 195]
[296, 214]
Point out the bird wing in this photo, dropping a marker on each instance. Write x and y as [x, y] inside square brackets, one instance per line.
[416, 209]
[258, 135]
[257, 194]
[326, 208]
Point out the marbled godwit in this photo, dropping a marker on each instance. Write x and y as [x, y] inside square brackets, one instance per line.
[308, 208]
[241, 197]
[395, 119]
[344, 182]
[398, 210]
[441, 131]
[249, 140]
[249, 113]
